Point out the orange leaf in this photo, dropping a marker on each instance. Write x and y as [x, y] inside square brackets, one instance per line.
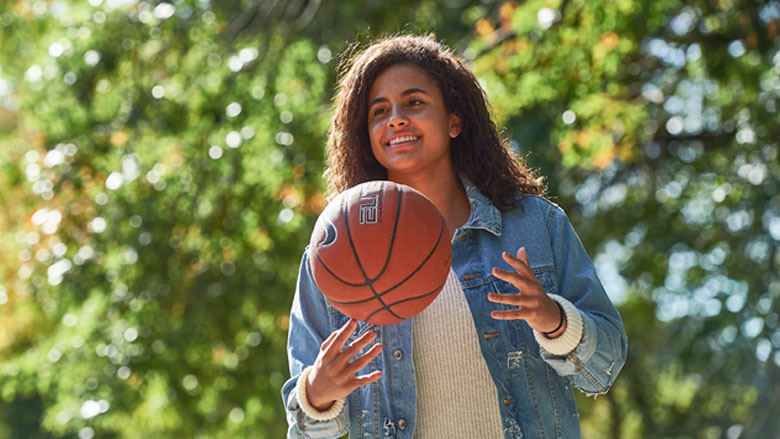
[609, 40]
[604, 158]
[484, 28]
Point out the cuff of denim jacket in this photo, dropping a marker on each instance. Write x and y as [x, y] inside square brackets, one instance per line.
[306, 406]
[568, 341]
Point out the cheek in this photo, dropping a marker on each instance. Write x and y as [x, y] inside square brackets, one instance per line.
[374, 134]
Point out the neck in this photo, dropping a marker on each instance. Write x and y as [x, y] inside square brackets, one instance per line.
[445, 191]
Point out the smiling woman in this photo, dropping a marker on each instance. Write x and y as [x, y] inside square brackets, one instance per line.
[409, 126]
[522, 315]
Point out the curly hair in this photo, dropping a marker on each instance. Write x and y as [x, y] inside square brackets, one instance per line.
[478, 153]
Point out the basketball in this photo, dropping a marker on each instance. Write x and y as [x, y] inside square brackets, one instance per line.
[380, 252]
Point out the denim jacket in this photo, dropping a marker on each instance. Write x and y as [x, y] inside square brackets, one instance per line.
[534, 387]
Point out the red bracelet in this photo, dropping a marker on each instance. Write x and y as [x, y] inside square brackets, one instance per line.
[560, 308]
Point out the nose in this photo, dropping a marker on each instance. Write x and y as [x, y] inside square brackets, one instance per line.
[397, 119]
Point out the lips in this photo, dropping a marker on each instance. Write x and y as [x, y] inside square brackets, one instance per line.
[402, 139]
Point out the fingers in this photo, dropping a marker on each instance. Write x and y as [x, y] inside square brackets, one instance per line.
[520, 281]
[364, 359]
[328, 341]
[528, 302]
[518, 262]
[336, 366]
[334, 353]
[511, 314]
[358, 345]
[512, 299]
[335, 342]
[522, 277]
[527, 306]
[362, 380]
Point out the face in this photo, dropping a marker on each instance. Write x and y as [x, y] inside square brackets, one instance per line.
[408, 125]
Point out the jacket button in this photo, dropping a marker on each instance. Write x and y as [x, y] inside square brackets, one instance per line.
[402, 424]
[398, 354]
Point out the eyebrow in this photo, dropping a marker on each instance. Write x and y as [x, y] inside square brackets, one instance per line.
[403, 93]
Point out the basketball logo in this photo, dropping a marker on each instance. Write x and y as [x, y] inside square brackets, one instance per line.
[331, 233]
[369, 213]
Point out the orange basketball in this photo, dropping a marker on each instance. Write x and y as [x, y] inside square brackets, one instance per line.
[380, 252]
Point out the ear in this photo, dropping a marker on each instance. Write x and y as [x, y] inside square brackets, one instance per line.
[455, 127]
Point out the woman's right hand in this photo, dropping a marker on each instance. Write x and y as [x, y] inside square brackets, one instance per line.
[333, 374]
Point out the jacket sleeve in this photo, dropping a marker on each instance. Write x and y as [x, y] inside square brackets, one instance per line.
[309, 327]
[595, 362]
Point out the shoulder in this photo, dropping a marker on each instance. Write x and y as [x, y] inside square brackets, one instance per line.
[535, 205]
[537, 201]
[537, 211]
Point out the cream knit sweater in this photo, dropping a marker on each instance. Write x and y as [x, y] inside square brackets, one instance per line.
[456, 397]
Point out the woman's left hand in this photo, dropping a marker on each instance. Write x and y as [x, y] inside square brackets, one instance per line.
[533, 304]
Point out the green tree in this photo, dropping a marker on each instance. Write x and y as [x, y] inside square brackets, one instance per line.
[161, 171]
[663, 115]
[161, 201]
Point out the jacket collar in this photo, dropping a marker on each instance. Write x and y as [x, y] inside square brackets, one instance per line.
[484, 215]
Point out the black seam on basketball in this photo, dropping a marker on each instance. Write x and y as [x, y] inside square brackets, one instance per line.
[369, 282]
[349, 284]
[441, 234]
[422, 264]
[392, 237]
[408, 299]
[356, 302]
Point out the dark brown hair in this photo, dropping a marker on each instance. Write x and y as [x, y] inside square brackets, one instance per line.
[478, 153]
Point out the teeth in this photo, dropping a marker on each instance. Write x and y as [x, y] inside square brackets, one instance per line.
[402, 139]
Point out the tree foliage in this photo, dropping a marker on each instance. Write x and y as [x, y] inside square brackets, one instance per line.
[161, 171]
[663, 115]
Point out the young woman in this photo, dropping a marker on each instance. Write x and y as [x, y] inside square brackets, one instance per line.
[522, 316]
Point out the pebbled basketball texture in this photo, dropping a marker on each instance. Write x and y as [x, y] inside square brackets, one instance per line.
[380, 252]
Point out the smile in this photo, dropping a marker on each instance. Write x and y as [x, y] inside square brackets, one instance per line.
[402, 139]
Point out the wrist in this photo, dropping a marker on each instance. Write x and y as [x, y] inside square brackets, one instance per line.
[571, 332]
[561, 328]
[303, 400]
[317, 403]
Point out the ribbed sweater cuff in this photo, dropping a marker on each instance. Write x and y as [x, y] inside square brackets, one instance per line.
[306, 406]
[568, 341]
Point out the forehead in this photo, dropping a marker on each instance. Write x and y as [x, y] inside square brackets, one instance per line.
[401, 77]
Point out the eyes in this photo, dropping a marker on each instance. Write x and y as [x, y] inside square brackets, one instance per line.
[383, 108]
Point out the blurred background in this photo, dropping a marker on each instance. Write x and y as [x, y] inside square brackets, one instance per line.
[161, 169]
